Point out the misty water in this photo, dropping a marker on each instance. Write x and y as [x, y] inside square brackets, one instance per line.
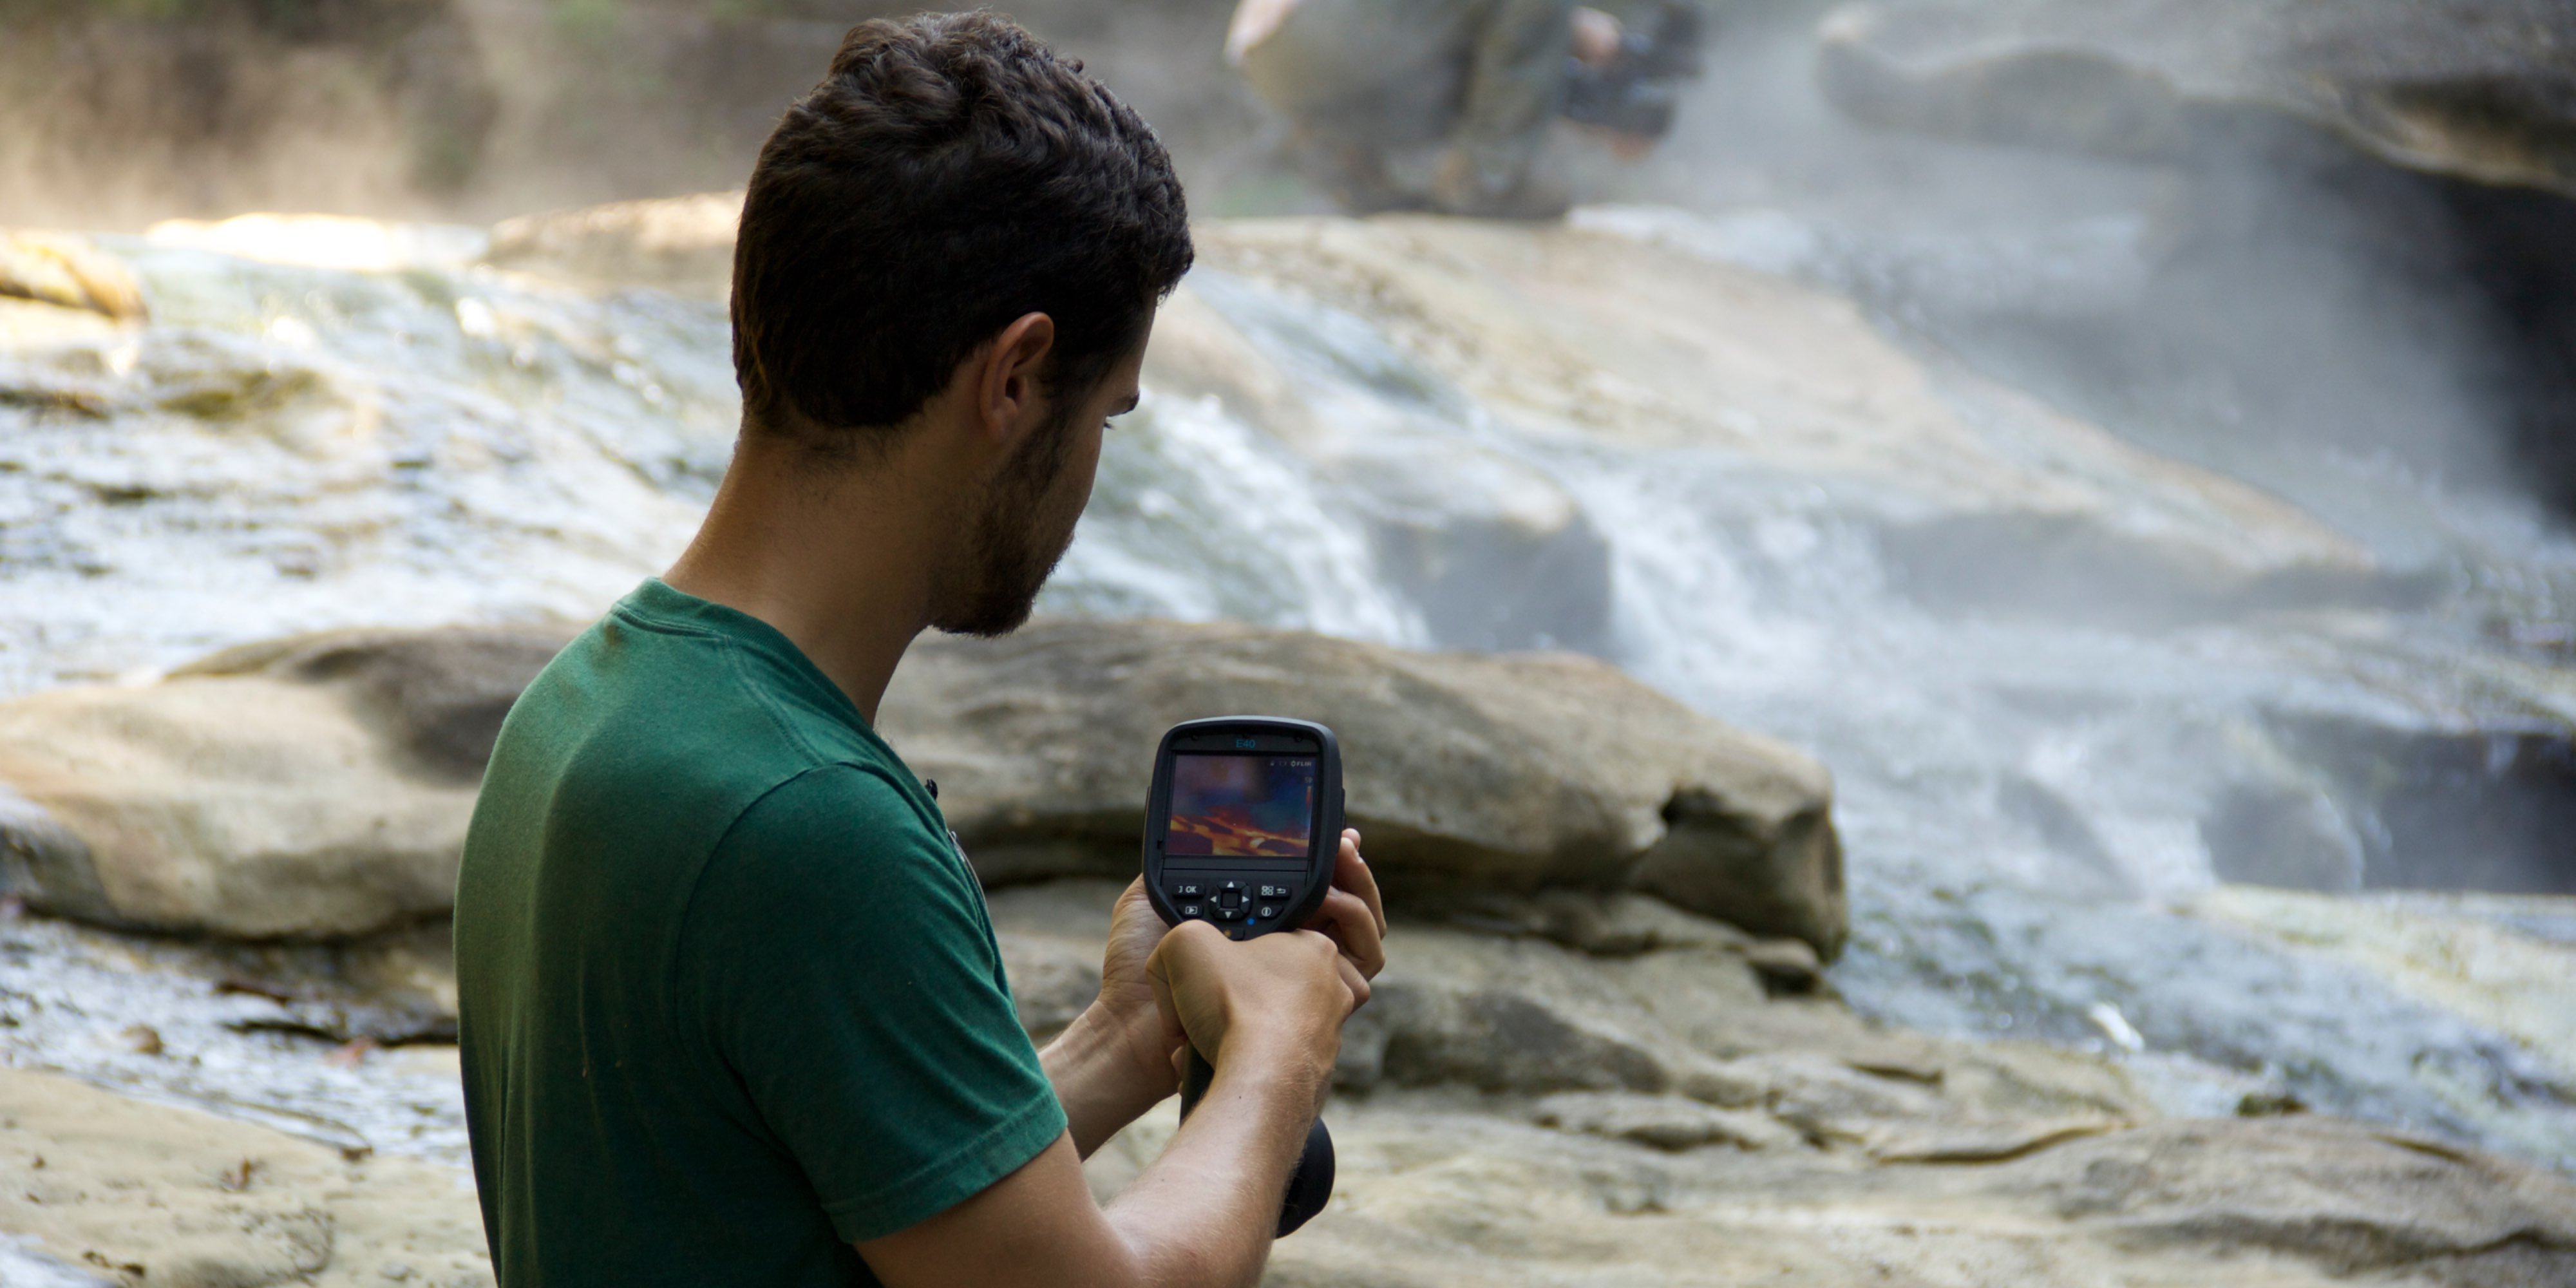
[2032, 787]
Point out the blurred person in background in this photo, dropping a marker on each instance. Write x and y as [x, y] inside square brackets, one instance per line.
[1371, 84]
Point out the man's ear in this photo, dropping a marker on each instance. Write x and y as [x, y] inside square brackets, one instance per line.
[1009, 396]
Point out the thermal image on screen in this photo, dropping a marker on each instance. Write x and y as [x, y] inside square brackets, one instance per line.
[1242, 806]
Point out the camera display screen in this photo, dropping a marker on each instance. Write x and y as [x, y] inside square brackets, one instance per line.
[1242, 806]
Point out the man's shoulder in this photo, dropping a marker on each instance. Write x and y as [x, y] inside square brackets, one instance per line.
[843, 829]
[646, 741]
[646, 702]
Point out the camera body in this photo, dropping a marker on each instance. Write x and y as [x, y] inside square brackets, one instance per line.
[1243, 823]
[1241, 830]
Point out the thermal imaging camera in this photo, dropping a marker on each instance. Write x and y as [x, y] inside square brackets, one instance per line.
[1241, 830]
[1244, 822]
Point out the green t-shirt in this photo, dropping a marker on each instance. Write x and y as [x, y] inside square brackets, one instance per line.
[729, 999]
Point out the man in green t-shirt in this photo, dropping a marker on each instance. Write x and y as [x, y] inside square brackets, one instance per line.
[731, 1010]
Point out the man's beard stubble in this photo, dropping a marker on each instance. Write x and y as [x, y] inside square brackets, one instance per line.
[1014, 548]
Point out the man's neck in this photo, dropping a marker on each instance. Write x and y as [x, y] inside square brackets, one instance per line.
[836, 560]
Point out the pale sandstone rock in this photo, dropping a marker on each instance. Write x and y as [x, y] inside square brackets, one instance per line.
[1468, 774]
[315, 787]
[1435, 1190]
[145, 1194]
[1664, 1122]
[319, 786]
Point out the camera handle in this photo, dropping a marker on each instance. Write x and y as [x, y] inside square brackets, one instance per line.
[1309, 1187]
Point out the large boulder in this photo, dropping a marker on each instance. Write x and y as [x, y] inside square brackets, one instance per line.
[2478, 89]
[319, 786]
[315, 787]
[1470, 774]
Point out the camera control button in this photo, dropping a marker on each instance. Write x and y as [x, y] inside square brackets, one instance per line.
[1191, 911]
[1188, 890]
[1229, 898]
[1266, 911]
[1229, 914]
[1274, 892]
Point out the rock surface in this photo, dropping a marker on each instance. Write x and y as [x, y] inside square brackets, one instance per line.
[1469, 774]
[102, 1189]
[2478, 89]
[1519, 1111]
[319, 786]
[1980, 498]
[2499, 961]
[1581, 1089]
[315, 787]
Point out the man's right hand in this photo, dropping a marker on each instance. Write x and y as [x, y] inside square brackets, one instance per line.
[1269, 1012]
[1275, 1002]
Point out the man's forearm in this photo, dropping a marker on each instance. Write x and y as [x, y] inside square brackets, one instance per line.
[1200, 1217]
[1100, 1077]
[1204, 1212]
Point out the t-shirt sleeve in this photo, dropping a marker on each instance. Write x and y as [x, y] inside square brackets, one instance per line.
[836, 958]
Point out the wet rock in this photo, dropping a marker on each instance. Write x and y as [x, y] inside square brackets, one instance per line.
[2486, 958]
[2438, 138]
[1493, 551]
[2479, 89]
[314, 788]
[1469, 774]
[1976, 498]
[2453, 804]
[69, 273]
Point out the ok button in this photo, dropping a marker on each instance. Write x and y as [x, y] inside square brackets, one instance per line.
[1229, 898]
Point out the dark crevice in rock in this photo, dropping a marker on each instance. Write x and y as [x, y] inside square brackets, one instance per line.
[2475, 809]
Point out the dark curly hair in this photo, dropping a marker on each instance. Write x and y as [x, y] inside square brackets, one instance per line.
[950, 175]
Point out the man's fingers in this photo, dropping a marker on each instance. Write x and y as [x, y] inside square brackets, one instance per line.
[1353, 980]
[1351, 872]
[1352, 926]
